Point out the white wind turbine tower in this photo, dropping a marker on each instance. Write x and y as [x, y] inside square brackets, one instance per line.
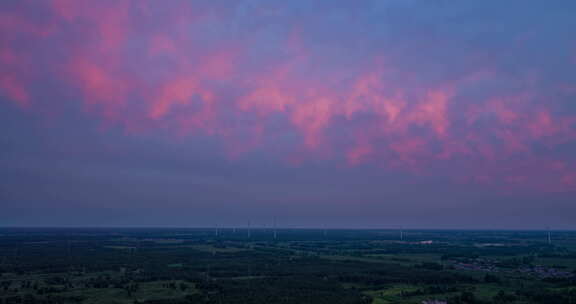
[69, 252]
[249, 229]
[549, 236]
[275, 232]
[69, 246]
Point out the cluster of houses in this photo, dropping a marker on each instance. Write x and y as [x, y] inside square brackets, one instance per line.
[490, 266]
[434, 302]
[477, 265]
[546, 272]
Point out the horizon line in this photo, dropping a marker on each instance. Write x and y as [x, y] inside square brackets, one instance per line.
[303, 227]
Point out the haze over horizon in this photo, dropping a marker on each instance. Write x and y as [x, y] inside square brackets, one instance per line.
[340, 114]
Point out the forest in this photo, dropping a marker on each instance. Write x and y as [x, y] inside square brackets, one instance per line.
[268, 265]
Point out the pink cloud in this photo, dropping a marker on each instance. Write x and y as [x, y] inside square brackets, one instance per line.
[143, 71]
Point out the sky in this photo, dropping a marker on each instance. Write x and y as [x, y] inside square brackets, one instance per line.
[311, 113]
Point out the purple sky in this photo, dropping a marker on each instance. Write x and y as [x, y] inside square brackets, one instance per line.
[425, 114]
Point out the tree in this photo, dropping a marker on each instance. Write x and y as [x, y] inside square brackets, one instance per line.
[490, 278]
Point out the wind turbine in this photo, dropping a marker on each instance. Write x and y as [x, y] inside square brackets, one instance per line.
[249, 229]
[69, 246]
[275, 232]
